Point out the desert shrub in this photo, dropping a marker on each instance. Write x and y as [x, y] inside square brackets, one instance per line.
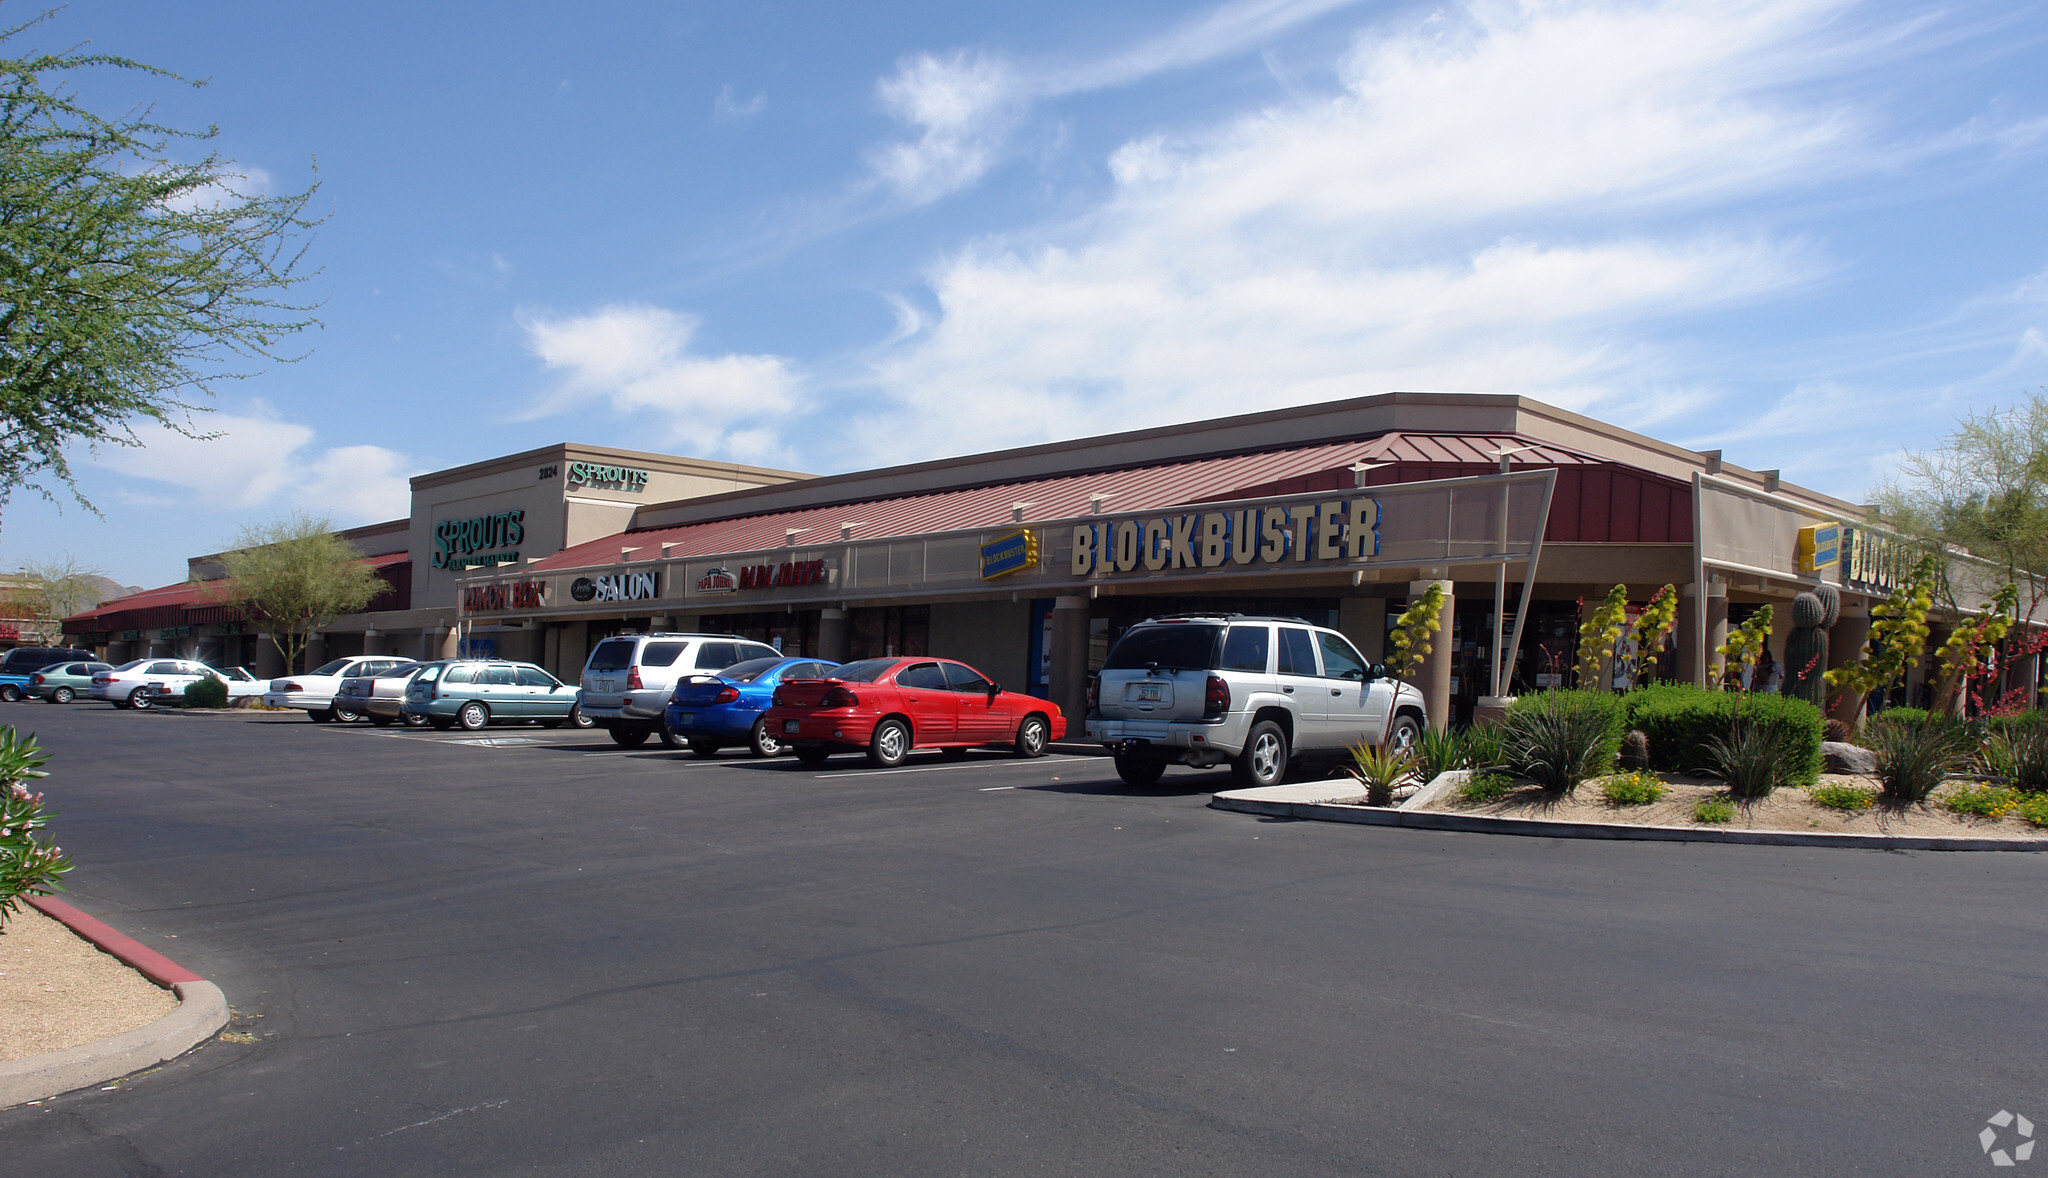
[2019, 754]
[1900, 716]
[207, 693]
[30, 865]
[1486, 787]
[1380, 770]
[1681, 721]
[2035, 809]
[1755, 758]
[1559, 738]
[1713, 810]
[1633, 789]
[1842, 797]
[1440, 752]
[1482, 748]
[1984, 801]
[1913, 759]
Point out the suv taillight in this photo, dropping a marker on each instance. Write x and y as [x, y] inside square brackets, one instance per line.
[1094, 692]
[633, 679]
[1216, 697]
[839, 697]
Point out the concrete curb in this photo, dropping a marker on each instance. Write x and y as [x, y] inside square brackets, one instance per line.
[202, 1010]
[1245, 801]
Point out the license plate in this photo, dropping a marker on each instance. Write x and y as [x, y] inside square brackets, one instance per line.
[685, 719]
[1149, 692]
[789, 727]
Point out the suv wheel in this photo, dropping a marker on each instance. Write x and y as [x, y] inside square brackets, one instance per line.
[1139, 770]
[890, 744]
[631, 738]
[1264, 759]
[1405, 736]
[473, 716]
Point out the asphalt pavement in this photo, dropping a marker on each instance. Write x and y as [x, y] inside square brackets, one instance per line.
[530, 952]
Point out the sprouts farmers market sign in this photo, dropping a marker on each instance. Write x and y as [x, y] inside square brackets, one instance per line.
[457, 541]
[1480, 520]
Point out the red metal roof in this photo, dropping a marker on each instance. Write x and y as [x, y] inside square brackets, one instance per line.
[190, 596]
[1141, 488]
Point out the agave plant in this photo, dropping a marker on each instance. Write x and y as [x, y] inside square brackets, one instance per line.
[1380, 770]
[1753, 759]
[1560, 738]
[1913, 759]
[2020, 756]
[1438, 753]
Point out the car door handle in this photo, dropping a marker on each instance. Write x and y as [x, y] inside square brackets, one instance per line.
[1288, 690]
[1336, 691]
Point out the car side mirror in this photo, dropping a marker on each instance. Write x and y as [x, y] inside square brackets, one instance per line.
[1376, 671]
[994, 690]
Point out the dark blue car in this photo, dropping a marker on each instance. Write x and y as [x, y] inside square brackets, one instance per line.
[709, 712]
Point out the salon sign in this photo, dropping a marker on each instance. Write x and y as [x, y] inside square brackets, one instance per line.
[1304, 533]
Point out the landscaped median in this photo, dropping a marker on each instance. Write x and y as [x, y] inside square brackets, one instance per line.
[89, 985]
[1788, 817]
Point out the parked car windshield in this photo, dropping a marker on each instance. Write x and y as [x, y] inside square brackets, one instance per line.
[613, 654]
[1171, 645]
[864, 671]
[748, 671]
[333, 668]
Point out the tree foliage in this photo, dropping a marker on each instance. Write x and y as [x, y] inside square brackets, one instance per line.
[130, 280]
[294, 576]
[1985, 488]
[48, 591]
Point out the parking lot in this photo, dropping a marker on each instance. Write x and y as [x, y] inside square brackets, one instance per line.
[524, 950]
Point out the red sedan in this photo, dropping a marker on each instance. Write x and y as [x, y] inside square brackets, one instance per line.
[887, 707]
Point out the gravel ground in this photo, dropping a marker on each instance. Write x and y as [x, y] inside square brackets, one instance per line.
[58, 990]
[1785, 809]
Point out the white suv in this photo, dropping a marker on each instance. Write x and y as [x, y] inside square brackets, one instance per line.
[627, 680]
[1210, 689]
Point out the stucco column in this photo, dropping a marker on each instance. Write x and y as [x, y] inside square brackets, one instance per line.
[1845, 646]
[1067, 678]
[1716, 619]
[451, 641]
[269, 663]
[1364, 621]
[1434, 677]
[834, 639]
[1691, 667]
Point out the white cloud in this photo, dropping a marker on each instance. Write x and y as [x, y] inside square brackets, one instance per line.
[728, 106]
[258, 459]
[1487, 202]
[636, 359]
[237, 183]
[964, 105]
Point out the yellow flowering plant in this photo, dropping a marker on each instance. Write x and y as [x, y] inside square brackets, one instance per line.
[1898, 633]
[1598, 633]
[1745, 643]
[1413, 629]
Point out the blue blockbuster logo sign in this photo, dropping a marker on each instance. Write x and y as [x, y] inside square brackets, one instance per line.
[1338, 530]
[1009, 554]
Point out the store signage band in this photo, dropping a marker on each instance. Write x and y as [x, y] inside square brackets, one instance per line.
[513, 595]
[789, 573]
[1819, 547]
[456, 539]
[592, 474]
[1874, 559]
[1336, 530]
[617, 587]
[1012, 553]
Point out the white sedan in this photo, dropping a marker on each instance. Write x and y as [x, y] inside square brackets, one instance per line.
[137, 684]
[313, 693]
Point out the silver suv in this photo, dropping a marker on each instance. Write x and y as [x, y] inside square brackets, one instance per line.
[1210, 689]
[627, 679]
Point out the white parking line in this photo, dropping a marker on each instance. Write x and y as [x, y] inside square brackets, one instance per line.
[989, 789]
[937, 768]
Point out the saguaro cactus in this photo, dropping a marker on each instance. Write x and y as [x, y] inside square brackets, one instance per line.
[1806, 649]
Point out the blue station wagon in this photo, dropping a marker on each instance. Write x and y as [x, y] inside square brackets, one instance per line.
[474, 693]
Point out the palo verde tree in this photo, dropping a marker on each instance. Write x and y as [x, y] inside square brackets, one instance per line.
[131, 279]
[294, 576]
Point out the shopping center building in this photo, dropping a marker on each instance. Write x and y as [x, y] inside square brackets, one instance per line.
[1028, 562]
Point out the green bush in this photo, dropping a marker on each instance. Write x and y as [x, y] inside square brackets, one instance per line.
[207, 693]
[1486, 787]
[2035, 809]
[1842, 797]
[1713, 810]
[1900, 716]
[1638, 788]
[29, 865]
[2018, 753]
[1682, 720]
[1559, 738]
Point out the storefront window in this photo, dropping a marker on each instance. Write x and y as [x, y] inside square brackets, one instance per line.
[889, 630]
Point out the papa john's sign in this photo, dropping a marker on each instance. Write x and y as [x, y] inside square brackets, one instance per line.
[1341, 529]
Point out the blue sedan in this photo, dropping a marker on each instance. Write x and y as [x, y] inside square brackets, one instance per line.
[709, 712]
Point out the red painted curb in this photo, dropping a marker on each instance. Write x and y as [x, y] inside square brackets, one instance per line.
[150, 963]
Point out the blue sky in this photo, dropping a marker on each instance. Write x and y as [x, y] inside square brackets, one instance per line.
[826, 236]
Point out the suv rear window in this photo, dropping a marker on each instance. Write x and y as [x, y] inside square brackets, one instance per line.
[1245, 649]
[1182, 647]
[613, 654]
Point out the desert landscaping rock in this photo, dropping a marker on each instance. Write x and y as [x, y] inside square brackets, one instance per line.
[1848, 758]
